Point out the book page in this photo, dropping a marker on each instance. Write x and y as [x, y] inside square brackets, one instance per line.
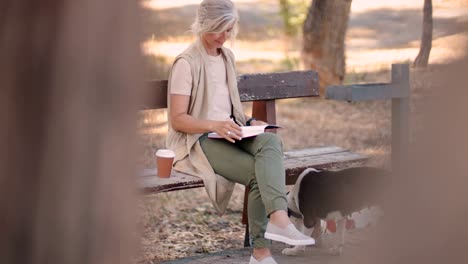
[248, 131]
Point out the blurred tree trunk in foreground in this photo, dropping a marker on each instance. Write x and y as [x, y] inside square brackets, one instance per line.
[68, 101]
[426, 203]
[426, 40]
[324, 34]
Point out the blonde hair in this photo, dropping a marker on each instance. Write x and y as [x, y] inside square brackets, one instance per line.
[215, 16]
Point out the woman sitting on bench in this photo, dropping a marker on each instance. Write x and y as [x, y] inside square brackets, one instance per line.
[203, 98]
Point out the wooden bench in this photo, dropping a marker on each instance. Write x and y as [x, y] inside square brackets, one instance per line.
[263, 90]
[295, 162]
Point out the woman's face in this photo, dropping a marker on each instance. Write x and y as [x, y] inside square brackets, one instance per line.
[216, 40]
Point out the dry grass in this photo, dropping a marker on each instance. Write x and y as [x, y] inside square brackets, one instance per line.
[181, 224]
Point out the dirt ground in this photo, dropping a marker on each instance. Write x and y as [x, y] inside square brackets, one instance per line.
[380, 33]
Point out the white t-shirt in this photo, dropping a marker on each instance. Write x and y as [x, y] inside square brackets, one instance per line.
[181, 83]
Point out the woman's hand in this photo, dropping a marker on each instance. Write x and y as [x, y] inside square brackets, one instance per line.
[258, 123]
[227, 129]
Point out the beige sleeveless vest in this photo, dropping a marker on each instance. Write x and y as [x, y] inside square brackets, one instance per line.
[189, 157]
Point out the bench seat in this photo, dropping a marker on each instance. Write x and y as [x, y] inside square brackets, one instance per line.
[295, 161]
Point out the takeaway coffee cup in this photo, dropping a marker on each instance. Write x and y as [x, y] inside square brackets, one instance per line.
[164, 159]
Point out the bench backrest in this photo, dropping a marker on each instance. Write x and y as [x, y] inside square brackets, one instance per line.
[262, 89]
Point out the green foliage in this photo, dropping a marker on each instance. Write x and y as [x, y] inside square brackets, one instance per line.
[293, 13]
[289, 64]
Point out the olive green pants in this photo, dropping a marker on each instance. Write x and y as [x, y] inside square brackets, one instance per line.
[256, 162]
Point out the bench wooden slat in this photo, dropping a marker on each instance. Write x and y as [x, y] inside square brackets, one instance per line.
[150, 183]
[365, 92]
[252, 87]
[156, 91]
[337, 160]
[296, 161]
[398, 88]
[262, 86]
[311, 151]
[360, 92]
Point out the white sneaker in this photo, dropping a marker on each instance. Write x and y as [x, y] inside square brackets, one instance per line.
[267, 260]
[289, 235]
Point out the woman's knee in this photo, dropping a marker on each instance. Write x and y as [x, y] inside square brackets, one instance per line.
[271, 139]
[252, 184]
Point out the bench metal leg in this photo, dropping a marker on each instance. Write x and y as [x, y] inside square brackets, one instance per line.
[245, 217]
[247, 236]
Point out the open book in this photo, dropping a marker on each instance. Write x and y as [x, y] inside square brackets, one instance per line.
[248, 131]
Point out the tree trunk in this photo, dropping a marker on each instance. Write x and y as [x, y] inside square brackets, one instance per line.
[324, 35]
[68, 103]
[426, 40]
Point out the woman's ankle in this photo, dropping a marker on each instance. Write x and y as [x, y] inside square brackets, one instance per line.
[280, 218]
[261, 253]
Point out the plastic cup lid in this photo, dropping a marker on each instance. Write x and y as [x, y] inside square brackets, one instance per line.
[165, 153]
